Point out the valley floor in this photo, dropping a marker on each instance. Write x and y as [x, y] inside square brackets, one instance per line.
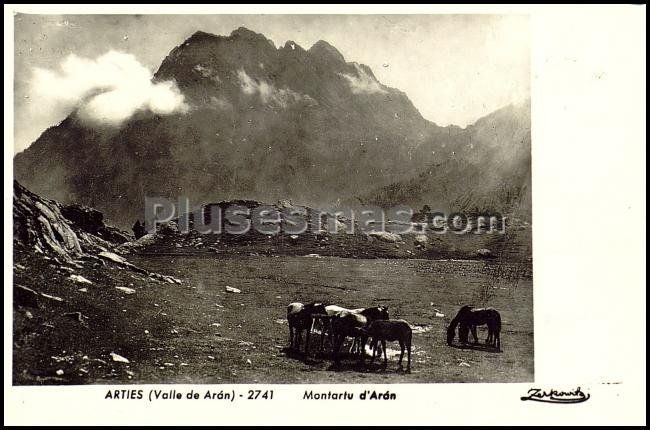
[196, 332]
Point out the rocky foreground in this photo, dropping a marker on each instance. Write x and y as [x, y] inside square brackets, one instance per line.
[71, 319]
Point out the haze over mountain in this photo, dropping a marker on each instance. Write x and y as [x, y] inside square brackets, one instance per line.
[268, 123]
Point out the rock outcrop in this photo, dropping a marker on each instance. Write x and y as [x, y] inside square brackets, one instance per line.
[66, 232]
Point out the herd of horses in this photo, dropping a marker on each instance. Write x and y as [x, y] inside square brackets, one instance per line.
[338, 323]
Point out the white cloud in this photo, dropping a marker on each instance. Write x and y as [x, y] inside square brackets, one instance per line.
[363, 83]
[108, 90]
[269, 94]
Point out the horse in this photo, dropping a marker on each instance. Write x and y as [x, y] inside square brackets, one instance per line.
[332, 311]
[300, 318]
[390, 330]
[350, 324]
[468, 318]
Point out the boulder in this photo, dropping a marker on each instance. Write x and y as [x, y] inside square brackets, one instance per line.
[119, 358]
[126, 290]
[484, 252]
[79, 279]
[385, 236]
[112, 257]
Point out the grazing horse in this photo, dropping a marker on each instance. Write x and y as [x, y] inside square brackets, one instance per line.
[300, 318]
[468, 318]
[351, 324]
[390, 330]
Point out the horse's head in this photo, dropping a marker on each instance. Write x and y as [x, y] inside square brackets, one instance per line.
[451, 332]
[383, 312]
[376, 313]
[316, 308]
[463, 333]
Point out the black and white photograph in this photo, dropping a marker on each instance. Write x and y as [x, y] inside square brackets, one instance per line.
[329, 216]
[209, 199]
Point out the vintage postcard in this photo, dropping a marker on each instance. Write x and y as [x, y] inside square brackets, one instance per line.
[229, 209]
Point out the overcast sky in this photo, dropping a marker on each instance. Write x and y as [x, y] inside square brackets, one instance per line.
[454, 68]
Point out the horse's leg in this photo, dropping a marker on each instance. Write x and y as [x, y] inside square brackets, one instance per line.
[298, 338]
[338, 339]
[383, 346]
[335, 349]
[357, 344]
[328, 331]
[473, 329]
[401, 354]
[352, 346]
[291, 336]
[364, 340]
[408, 348]
[309, 327]
[322, 334]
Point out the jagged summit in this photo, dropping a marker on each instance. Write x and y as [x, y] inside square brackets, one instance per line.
[201, 35]
[293, 46]
[246, 34]
[239, 34]
[324, 49]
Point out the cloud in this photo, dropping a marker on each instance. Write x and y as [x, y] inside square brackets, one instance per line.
[106, 90]
[363, 83]
[269, 94]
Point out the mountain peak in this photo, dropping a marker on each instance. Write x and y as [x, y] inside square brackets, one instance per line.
[290, 44]
[201, 35]
[241, 33]
[322, 48]
[273, 109]
[246, 34]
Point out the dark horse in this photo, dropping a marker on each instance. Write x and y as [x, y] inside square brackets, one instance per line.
[301, 318]
[468, 318]
[351, 324]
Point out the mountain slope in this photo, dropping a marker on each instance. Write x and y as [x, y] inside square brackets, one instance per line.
[263, 123]
[487, 169]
